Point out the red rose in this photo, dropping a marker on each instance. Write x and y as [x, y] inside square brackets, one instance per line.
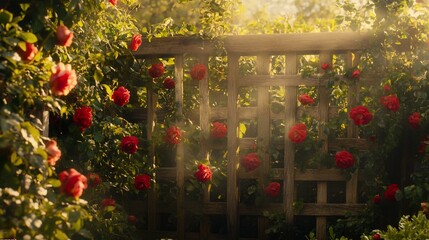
[298, 133]
[113, 2]
[390, 192]
[64, 36]
[72, 183]
[107, 202]
[83, 117]
[142, 182]
[54, 153]
[198, 72]
[325, 66]
[129, 144]
[423, 144]
[376, 236]
[203, 174]
[344, 159]
[173, 135]
[304, 99]
[377, 199]
[63, 79]
[121, 96]
[136, 41]
[414, 120]
[251, 162]
[93, 179]
[169, 83]
[390, 102]
[386, 87]
[28, 53]
[156, 70]
[360, 115]
[218, 130]
[273, 189]
[356, 74]
[132, 219]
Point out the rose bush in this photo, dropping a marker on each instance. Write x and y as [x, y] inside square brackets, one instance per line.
[390, 193]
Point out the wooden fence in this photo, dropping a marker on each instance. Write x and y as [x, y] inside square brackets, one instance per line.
[325, 45]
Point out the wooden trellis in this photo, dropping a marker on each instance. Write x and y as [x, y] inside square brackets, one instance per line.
[262, 46]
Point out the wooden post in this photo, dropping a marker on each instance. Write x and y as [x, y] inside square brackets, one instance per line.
[151, 118]
[232, 198]
[289, 149]
[322, 187]
[205, 130]
[352, 130]
[263, 140]
[180, 163]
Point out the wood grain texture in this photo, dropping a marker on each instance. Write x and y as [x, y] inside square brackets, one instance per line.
[254, 44]
[180, 154]
[232, 122]
[289, 148]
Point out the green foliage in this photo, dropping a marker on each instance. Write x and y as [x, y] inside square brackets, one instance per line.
[414, 227]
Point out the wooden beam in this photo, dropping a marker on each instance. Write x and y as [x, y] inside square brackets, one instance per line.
[255, 44]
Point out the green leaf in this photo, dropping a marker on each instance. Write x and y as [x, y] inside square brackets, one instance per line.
[28, 37]
[108, 90]
[85, 233]
[15, 160]
[54, 182]
[242, 130]
[60, 235]
[5, 16]
[98, 75]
